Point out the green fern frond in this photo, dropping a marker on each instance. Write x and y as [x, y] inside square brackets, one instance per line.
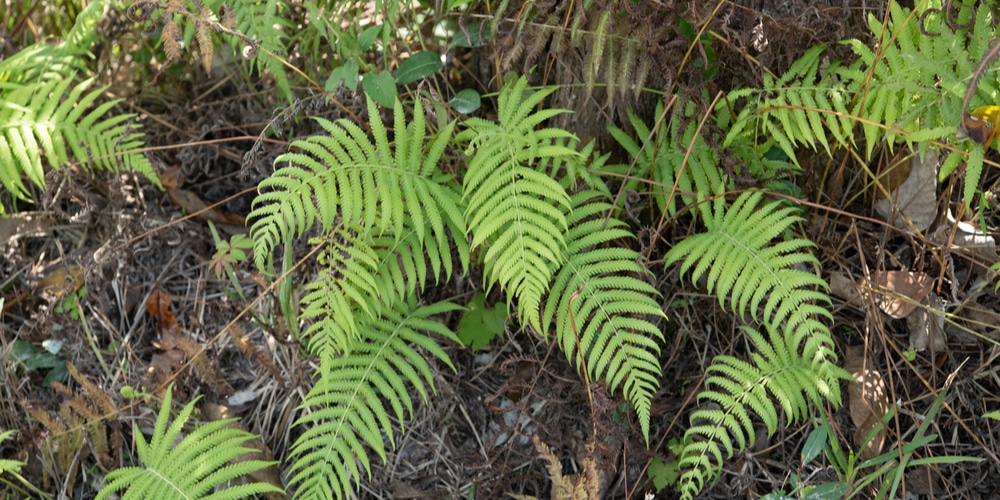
[346, 286]
[345, 177]
[192, 468]
[601, 308]
[796, 366]
[742, 265]
[798, 374]
[349, 394]
[798, 109]
[261, 21]
[50, 119]
[511, 205]
[9, 465]
[664, 156]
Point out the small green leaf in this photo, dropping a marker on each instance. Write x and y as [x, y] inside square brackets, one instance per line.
[474, 35]
[995, 415]
[466, 101]
[346, 75]
[814, 444]
[418, 66]
[480, 325]
[663, 474]
[828, 491]
[368, 36]
[381, 87]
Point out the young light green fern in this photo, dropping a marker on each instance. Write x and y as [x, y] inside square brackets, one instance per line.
[512, 208]
[196, 467]
[794, 366]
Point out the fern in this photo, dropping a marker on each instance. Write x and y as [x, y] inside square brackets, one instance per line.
[795, 365]
[510, 204]
[664, 157]
[51, 119]
[343, 176]
[349, 394]
[600, 306]
[193, 467]
[910, 89]
[795, 109]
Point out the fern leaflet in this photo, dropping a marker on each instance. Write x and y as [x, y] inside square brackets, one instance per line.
[348, 397]
[511, 204]
[194, 467]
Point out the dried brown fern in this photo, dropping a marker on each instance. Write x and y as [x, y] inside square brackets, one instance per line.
[83, 419]
[251, 351]
[203, 19]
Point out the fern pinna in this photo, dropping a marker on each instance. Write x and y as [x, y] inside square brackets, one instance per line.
[198, 466]
[510, 204]
[795, 364]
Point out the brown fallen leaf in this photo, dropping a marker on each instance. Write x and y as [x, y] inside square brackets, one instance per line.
[172, 338]
[173, 179]
[868, 402]
[897, 286]
[270, 474]
[916, 198]
[927, 326]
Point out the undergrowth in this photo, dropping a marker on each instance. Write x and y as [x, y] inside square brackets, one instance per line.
[529, 206]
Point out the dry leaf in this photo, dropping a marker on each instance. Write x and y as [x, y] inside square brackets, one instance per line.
[868, 402]
[927, 326]
[916, 198]
[842, 287]
[898, 286]
[61, 280]
[173, 179]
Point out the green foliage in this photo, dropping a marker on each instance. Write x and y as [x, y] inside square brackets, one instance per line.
[794, 364]
[480, 325]
[46, 112]
[910, 89]
[50, 118]
[663, 156]
[600, 306]
[192, 468]
[511, 205]
[348, 395]
[13, 466]
[389, 220]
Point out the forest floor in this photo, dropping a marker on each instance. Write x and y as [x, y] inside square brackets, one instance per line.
[93, 272]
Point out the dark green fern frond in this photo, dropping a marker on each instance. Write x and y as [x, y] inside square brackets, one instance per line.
[742, 265]
[343, 176]
[796, 374]
[602, 309]
[664, 156]
[193, 468]
[512, 206]
[49, 119]
[800, 108]
[262, 22]
[349, 398]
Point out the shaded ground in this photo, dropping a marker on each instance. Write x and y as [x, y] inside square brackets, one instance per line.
[126, 240]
